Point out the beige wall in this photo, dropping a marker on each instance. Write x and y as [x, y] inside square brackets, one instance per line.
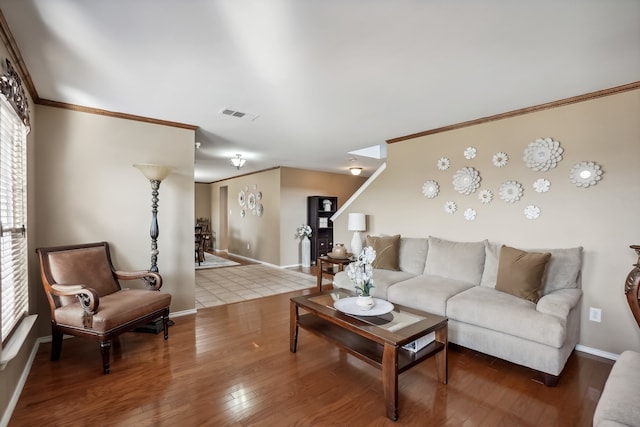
[603, 218]
[202, 193]
[297, 185]
[87, 190]
[270, 238]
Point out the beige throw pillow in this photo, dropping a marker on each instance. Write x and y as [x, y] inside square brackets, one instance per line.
[387, 251]
[521, 273]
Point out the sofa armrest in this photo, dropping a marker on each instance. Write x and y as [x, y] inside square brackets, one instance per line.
[559, 302]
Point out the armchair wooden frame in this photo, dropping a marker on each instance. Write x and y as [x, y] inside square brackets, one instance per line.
[632, 287]
[147, 305]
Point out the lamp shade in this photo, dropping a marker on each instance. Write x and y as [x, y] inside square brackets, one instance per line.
[154, 172]
[357, 222]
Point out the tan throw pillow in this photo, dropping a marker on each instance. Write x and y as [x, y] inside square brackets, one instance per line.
[521, 273]
[387, 252]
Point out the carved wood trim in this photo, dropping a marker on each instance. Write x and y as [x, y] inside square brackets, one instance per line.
[632, 287]
[514, 113]
[11, 88]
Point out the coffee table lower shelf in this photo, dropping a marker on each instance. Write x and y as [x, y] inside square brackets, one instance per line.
[363, 348]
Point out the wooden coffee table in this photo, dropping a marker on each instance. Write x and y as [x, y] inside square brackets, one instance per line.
[377, 340]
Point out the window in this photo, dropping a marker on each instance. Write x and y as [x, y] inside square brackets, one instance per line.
[14, 299]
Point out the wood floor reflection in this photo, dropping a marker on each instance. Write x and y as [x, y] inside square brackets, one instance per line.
[231, 366]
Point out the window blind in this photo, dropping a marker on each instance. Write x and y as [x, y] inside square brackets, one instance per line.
[14, 298]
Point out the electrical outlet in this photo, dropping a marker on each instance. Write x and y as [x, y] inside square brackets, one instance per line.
[595, 314]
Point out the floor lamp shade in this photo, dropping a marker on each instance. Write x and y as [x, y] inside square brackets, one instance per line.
[357, 223]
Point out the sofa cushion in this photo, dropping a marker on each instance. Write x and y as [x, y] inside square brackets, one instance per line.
[426, 293]
[413, 254]
[382, 280]
[462, 261]
[563, 269]
[502, 312]
[387, 251]
[520, 273]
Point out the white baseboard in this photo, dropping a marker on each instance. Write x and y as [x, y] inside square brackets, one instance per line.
[597, 352]
[183, 313]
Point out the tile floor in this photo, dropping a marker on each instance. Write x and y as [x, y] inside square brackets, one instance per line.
[218, 286]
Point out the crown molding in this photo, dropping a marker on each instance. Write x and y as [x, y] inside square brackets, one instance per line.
[521, 111]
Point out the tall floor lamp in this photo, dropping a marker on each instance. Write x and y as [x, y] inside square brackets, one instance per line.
[155, 174]
[357, 223]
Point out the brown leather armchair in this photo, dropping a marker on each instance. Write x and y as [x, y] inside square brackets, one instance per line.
[86, 298]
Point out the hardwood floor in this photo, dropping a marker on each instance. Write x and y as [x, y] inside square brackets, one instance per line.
[231, 366]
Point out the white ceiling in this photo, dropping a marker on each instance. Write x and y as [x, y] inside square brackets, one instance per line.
[324, 77]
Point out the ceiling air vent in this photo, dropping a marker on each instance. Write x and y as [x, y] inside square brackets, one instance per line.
[239, 114]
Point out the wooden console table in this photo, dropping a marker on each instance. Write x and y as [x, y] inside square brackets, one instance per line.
[326, 266]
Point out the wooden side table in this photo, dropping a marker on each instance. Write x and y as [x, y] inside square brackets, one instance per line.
[326, 266]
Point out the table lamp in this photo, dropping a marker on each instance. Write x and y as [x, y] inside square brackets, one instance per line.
[357, 223]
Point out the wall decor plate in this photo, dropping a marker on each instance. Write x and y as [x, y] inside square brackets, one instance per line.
[470, 214]
[450, 207]
[470, 153]
[541, 185]
[585, 174]
[349, 306]
[485, 196]
[430, 189]
[251, 201]
[511, 191]
[259, 195]
[543, 154]
[443, 163]
[243, 213]
[532, 212]
[500, 159]
[241, 198]
[260, 209]
[466, 180]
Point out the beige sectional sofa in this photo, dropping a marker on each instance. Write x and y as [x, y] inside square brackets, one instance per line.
[459, 280]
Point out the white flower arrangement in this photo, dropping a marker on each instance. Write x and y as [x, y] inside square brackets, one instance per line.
[303, 231]
[360, 272]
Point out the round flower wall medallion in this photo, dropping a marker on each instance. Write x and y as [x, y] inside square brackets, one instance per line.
[466, 180]
[585, 174]
[251, 201]
[543, 154]
[450, 207]
[443, 163]
[500, 159]
[241, 198]
[541, 185]
[511, 191]
[470, 153]
[485, 196]
[260, 209]
[430, 189]
[531, 212]
[470, 214]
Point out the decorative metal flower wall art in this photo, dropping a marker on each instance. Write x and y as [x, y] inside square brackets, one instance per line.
[585, 174]
[470, 153]
[541, 185]
[532, 212]
[500, 159]
[543, 154]
[450, 207]
[511, 191]
[466, 180]
[485, 196]
[430, 189]
[443, 163]
[470, 214]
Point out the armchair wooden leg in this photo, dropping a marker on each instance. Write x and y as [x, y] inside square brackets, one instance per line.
[105, 347]
[56, 343]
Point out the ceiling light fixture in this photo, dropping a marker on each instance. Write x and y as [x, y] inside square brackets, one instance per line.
[355, 171]
[238, 161]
